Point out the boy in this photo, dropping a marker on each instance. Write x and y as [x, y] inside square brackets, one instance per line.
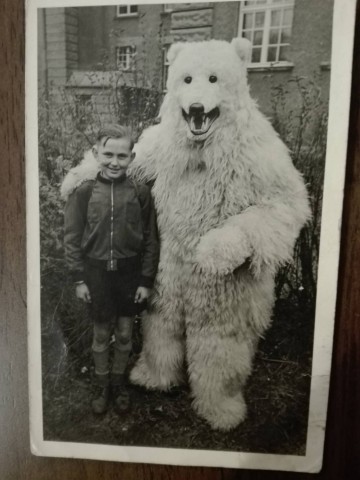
[112, 252]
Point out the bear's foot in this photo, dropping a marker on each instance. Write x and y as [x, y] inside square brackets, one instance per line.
[225, 415]
[163, 380]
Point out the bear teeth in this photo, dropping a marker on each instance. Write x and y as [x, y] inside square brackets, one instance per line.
[199, 124]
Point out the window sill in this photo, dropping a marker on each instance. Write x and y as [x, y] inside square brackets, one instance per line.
[190, 8]
[279, 67]
[126, 15]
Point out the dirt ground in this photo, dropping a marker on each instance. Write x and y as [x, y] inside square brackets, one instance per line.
[277, 393]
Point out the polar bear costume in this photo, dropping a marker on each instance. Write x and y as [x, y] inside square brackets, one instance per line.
[230, 205]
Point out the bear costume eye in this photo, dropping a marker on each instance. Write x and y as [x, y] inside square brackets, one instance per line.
[213, 79]
[188, 79]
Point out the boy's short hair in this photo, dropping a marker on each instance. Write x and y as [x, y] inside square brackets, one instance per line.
[114, 131]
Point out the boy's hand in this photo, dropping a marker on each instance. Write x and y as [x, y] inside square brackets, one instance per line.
[83, 293]
[142, 293]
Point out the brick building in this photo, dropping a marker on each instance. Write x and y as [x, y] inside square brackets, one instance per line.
[91, 48]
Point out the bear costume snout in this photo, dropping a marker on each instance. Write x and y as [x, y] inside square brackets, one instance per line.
[198, 121]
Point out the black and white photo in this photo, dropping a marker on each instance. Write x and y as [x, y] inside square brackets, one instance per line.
[185, 170]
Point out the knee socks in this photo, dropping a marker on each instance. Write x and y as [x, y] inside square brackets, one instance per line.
[121, 357]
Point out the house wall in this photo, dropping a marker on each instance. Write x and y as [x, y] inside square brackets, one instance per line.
[93, 39]
[41, 57]
[225, 24]
[149, 44]
[81, 38]
[59, 33]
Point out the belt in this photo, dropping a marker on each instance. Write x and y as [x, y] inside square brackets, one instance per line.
[122, 264]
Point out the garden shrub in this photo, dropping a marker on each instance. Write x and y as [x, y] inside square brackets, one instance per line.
[302, 125]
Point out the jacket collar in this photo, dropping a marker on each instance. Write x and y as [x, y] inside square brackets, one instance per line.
[101, 179]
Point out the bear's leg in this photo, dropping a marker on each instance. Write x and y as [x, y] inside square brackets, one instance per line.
[161, 363]
[218, 368]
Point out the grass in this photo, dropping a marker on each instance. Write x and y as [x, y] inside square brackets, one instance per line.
[277, 393]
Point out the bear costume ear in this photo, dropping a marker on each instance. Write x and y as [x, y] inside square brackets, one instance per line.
[243, 48]
[174, 51]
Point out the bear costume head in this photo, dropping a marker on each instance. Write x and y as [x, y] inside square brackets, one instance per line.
[208, 85]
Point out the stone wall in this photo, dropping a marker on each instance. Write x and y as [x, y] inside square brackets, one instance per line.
[191, 22]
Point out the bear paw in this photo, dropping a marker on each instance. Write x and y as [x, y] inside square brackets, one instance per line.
[141, 375]
[221, 251]
[224, 416]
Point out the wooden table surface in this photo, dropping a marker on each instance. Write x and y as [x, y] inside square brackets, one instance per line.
[342, 447]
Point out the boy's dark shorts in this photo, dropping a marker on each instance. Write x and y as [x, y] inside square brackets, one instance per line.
[113, 292]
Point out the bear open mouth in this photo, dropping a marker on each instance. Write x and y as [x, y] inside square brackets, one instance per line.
[200, 123]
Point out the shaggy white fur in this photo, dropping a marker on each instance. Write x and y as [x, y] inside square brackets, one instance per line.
[86, 170]
[230, 206]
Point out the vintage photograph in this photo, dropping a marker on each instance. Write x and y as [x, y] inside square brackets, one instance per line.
[181, 155]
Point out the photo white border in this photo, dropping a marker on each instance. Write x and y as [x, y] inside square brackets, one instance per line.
[339, 106]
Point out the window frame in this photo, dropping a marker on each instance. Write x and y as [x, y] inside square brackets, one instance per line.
[129, 59]
[128, 13]
[267, 8]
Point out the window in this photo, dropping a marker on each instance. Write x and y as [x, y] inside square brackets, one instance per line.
[267, 24]
[168, 7]
[126, 10]
[125, 57]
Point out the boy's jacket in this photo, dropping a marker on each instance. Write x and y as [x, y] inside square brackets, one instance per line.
[111, 223]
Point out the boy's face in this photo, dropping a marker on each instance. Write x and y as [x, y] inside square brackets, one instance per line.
[114, 157]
